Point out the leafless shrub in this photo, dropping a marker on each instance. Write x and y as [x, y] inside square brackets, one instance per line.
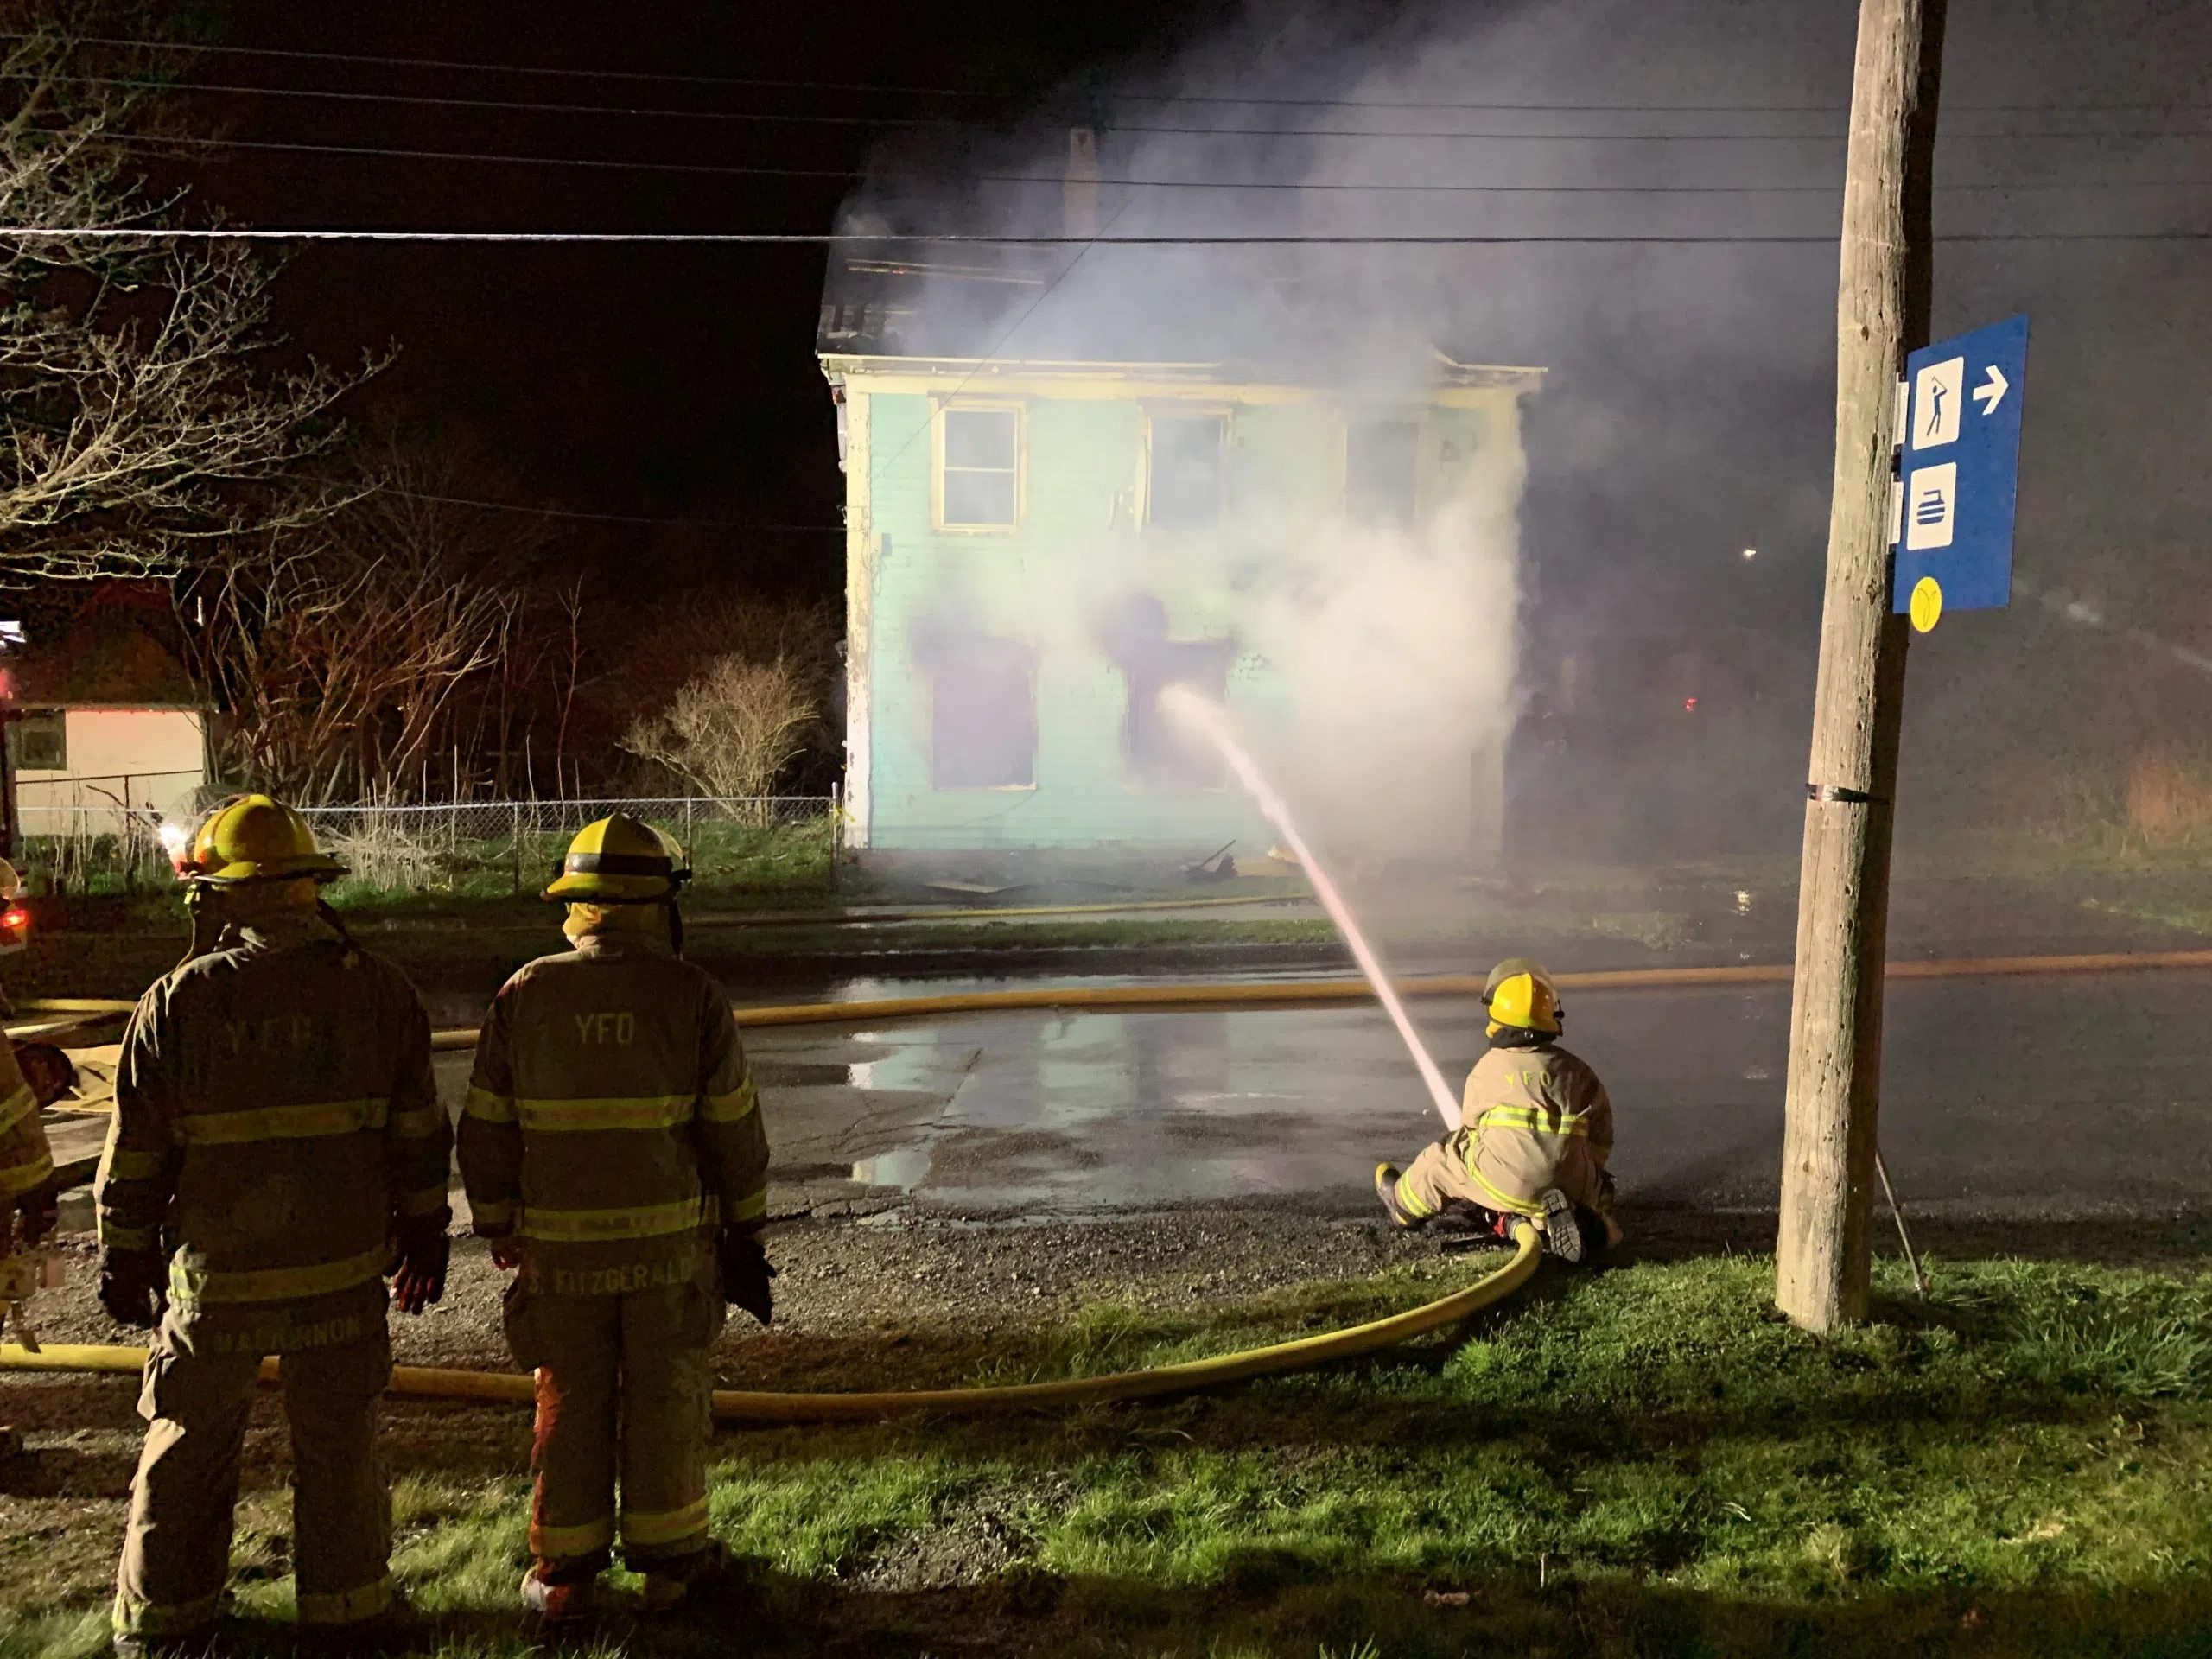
[388, 848]
[2168, 798]
[731, 729]
[653, 664]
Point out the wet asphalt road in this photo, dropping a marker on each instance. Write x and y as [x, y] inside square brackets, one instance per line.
[2060, 1097]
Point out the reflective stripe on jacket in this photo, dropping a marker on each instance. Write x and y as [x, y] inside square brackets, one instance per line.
[276, 1112]
[26, 1160]
[1532, 1118]
[612, 1122]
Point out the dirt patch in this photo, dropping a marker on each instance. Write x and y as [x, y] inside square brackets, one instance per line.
[971, 1545]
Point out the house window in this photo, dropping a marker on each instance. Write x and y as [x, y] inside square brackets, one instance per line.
[1379, 470]
[984, 716]
[1183, 489]
[40, 742]
[979, 484]
[1160, 753]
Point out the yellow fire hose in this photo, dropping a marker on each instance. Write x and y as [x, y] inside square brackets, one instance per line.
[1291, 993]
[750, 1406]
[741, 1406]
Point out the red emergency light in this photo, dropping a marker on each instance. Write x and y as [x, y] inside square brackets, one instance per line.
[1689, 705]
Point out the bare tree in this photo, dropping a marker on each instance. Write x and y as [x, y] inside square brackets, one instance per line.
[132, 421]
[732, 729]
[341, 648]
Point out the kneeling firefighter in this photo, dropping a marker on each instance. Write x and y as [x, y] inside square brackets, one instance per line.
[277, 1150]
[611, 1150]
[1535, 1130]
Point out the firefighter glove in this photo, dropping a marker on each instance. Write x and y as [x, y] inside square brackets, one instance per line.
[133, 1287]
[424, 1249]
[745, 1271]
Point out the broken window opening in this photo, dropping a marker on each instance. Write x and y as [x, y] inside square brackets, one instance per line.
[1183, 489]
[980, 481]
[1379, 473]
[982, 710]
[1160, 754]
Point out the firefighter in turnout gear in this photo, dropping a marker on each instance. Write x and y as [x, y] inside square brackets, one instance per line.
[1535, 1131]
[28, 1201]
[612, 1151]
[277, 1151]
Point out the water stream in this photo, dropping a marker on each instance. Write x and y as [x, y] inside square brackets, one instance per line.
[1207, 718]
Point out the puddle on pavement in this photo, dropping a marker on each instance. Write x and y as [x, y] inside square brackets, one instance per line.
[904, 1169]
[1045, 1114]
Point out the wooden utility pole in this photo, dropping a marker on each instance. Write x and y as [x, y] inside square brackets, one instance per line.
[1836, 1017]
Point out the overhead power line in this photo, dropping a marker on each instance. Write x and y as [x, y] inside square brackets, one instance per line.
[843, 239]
[786, 118]
[857, 174]
[623, 518]
[878, 88]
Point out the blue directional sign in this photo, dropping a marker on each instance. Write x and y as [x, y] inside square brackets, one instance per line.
[1960, 465]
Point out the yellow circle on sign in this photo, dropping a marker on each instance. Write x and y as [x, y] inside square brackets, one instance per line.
[1927, 603]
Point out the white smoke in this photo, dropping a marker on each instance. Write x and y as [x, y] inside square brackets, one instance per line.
[1699, 418]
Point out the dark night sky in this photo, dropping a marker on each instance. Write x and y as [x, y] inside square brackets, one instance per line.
[662, 381]
[1690, 409]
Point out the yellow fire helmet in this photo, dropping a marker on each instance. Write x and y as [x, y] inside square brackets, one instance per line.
[254, 838]
[620, 860]
[1520, 993]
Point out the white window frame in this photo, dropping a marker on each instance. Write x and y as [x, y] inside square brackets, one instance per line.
[1377, 415]
[1218, 412]
[1020, 410]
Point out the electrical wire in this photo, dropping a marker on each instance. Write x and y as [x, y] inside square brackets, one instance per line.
[844, 238]
[1256, 100]
[952, 123]
[858, 175]
[622, 518]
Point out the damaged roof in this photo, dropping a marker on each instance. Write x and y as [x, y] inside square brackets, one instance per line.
[1242, 315]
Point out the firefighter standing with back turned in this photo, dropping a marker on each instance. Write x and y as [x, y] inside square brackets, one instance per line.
[278, 1149]
[28, 1202]
[1536, 1128]
[611, 1150]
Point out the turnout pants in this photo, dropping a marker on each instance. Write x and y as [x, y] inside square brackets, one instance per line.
[624, 1395]
[1440, 1177]
[176, 1551]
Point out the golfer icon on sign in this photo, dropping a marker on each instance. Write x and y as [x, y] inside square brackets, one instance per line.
[1936, 392]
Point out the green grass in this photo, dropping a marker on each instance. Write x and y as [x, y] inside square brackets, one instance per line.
[730, 861]
[1641, 1462]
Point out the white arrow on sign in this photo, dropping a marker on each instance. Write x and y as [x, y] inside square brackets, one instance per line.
[1991, 392]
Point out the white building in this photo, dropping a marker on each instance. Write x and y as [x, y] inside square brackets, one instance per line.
[105, 731]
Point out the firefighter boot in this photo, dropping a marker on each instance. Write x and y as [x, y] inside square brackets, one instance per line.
[559, 1593]
[667, 1584]
[1386, 1188]
[1562, 1229]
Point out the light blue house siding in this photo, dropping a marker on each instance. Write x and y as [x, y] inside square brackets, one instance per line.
[950, 628]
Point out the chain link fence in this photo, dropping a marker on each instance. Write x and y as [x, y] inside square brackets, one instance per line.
[781, 843]
[784, 844]
[100, 833]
